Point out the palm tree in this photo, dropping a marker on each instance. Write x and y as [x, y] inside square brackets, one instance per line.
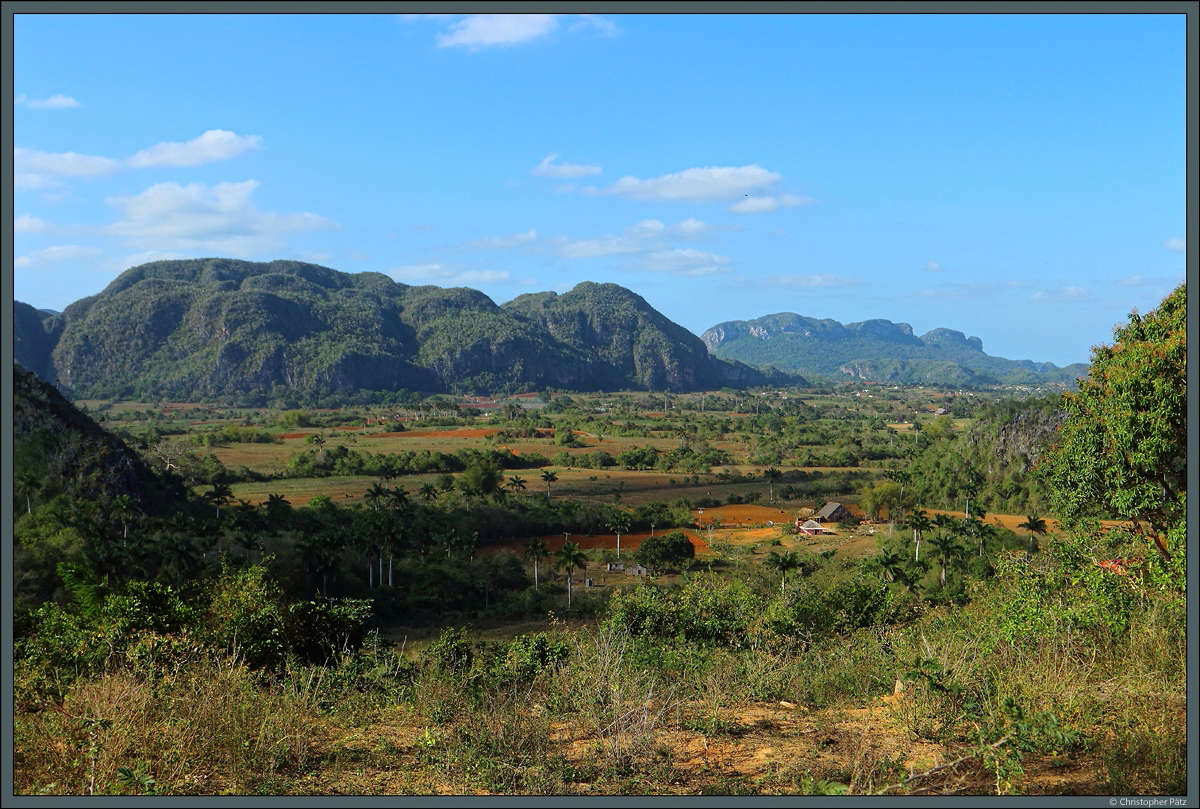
[947, 550]
[277, 507]
[123, 508]
[375, 495]
[568, 558]
[219, 495]
[516, 483]
[890, 562]
[783, 563]
[536, 549]
[397, 499]
[428, 492]
[549, 477]
[619, 523]
[1036, 526]
[919, 522]
[773, 476]
[26, 484]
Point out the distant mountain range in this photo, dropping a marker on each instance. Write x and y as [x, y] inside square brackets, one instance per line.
[216, 327]
[220, 327]
[876, 351]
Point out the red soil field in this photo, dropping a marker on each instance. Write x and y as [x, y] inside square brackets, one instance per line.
[629, 542]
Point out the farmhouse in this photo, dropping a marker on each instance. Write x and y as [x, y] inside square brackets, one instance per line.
[832, 512]
[811, 528]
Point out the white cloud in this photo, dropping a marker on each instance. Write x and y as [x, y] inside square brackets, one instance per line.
[442, 274]
[766, 204]
[58, 101]
[933, 266]
[213, 145]
[603, 246]
[68, 164]
[687, 229]
[502, 242]
[823, 280]
[28, 224]
[478, 31]
[685, 261]
[222, 219]
[709, 184]
[55, 255]
[547, 168]
[600, 24]
[1176, 244]
[1067, 294]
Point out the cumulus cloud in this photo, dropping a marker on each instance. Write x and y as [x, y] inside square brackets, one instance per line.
[548, 168]
[820, 280]
[1176, 244]
[768, 203]
[443, 274]
[213, 145]
[502, 242]
[478, 31]
[708, 184]
[687, 229]
[221, 218]
[69, 164]
[35, 170]
[28, 224]
[58, 101]
[56, 255]
[685, 261]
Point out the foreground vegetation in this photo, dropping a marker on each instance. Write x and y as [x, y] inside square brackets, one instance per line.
[172, 640]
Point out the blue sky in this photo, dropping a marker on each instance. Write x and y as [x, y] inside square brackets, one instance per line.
[1020, 178]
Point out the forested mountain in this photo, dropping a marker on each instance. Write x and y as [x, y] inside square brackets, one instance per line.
[218, 327]
[35, 333]
[876, 351]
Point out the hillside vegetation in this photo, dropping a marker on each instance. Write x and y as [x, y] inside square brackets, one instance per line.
[202, 328]
[877, 351]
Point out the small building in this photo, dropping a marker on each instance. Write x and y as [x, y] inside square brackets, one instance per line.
[832, 512]
[637, 570]
[812, 527]
[616, 567]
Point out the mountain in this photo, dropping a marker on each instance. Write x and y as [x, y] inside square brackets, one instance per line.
[218, 327]
[876, 351]
[35, 333]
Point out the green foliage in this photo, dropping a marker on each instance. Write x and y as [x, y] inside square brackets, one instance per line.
[672, 549]
[705, 610]
[1122, 450]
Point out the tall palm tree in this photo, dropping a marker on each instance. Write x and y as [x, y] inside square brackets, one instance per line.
[567, 559]
[619, 524]
[536, 550]
[891, 563]
[516, 483]
[773, 476]
[375, 495]
[783, 563]
[947, 550]
[219, 495]
[397, 499]
[123, 508]
[919, 522]
[428, 492]
[1036, 527]
[549, 477]
[26, 484]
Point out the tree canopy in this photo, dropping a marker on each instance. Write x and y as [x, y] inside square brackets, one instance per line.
[1122, 451]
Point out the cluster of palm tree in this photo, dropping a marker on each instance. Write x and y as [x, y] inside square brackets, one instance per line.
[567, 559]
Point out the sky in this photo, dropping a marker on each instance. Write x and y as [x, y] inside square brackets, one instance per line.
[1020, 178]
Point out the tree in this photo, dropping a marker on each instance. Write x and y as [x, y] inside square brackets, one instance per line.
[375, 495]
[536, 550]
[773, 476]
[666, 550]
[27, 483]
[919, 522]
[1122, 450]
[516, 483]
[124, 508]
[947, 550]
[567, 559]
[549, 477]
[782, 563]
[618, 524]
[219, 495]
[1036, 527]
[428, 492]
